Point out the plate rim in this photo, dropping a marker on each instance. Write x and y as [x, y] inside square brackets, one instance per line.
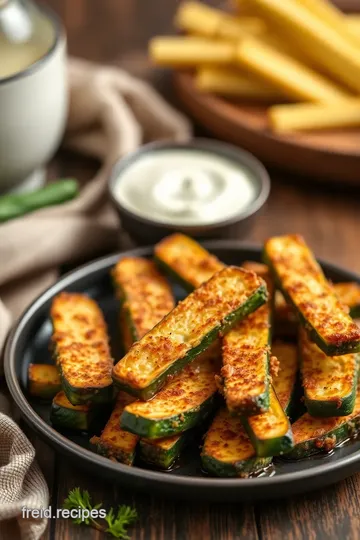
[89, 458]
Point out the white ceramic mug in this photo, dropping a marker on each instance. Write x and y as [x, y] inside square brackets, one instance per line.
[33, 110]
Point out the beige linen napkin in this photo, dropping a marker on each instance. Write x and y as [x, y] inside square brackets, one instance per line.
[111, 114]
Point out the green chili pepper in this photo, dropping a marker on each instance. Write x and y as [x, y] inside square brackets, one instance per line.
[16, 205]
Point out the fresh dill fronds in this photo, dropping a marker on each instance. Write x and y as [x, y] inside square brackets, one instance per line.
[117, 522]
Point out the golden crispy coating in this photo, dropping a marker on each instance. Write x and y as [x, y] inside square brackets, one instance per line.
[77, 318]
[245, 354]
[43, 380]
[115, 442]
[288, 366]
[188, 259]
[86, 366]
[62, 401]
[259, 268]
[186, 391]
[325, 378]
[164, 444]
[126, 333]
[348, 293]
[227, 441]
[44, 373]
[271, 424]
[185, 326]
[304, 282]
[81, 341]
[309, 428]
[145, 294]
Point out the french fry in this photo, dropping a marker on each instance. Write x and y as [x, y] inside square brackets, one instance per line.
[331, 15]
[229, 82]
[323, 43]
[281, 44]
[190, 51]
[283, 72]
[353, 23]
[287, 74]
[253, 25]
[306, 116]
[198, 18]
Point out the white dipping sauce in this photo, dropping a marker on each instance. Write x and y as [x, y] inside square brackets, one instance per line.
[186, 187]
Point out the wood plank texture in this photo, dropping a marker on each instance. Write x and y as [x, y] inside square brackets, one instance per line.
[117, 31]
[159, 519]
[326, 514]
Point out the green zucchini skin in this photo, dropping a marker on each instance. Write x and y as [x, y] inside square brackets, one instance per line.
[154, 453]
[246, 358]
[328, 348]
[188, 287]
[355, 312]
[237, 469]
[296, 407]
[63, 415]
[245, 374]
[144, 294]
[286, 322]
[81, 348]
[316, 435]
[228, 322]
[264, 442]
[227, 451]
[130, 327]
[121, 456]
[330, 341]
[256, 404]
[329, 409]
[114, 443]
[320, 444]
[166, 427]
[257, 298]
[83, 396]
[186, 401]
[335, 376]
[246, 355]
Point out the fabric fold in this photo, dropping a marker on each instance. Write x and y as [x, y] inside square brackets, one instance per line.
[111, 114]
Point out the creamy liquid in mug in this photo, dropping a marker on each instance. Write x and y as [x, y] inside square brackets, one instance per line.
[25, 37]
[186, 187]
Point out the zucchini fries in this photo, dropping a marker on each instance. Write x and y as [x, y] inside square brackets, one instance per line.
[211, 362]
[81, 347]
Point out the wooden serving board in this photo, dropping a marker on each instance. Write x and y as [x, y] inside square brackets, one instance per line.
[324, 155]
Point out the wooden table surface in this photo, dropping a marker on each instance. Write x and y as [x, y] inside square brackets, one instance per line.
[117, 31]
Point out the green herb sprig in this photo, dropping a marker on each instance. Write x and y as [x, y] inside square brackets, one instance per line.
[117, 522]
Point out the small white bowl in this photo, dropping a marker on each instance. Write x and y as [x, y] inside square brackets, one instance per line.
[33, 111]
[147, 230]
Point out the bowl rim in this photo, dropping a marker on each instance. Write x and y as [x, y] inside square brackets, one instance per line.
[59, 37]
[238, 155]
[91, 459]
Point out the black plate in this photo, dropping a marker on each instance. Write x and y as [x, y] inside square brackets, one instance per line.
[29, 343]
